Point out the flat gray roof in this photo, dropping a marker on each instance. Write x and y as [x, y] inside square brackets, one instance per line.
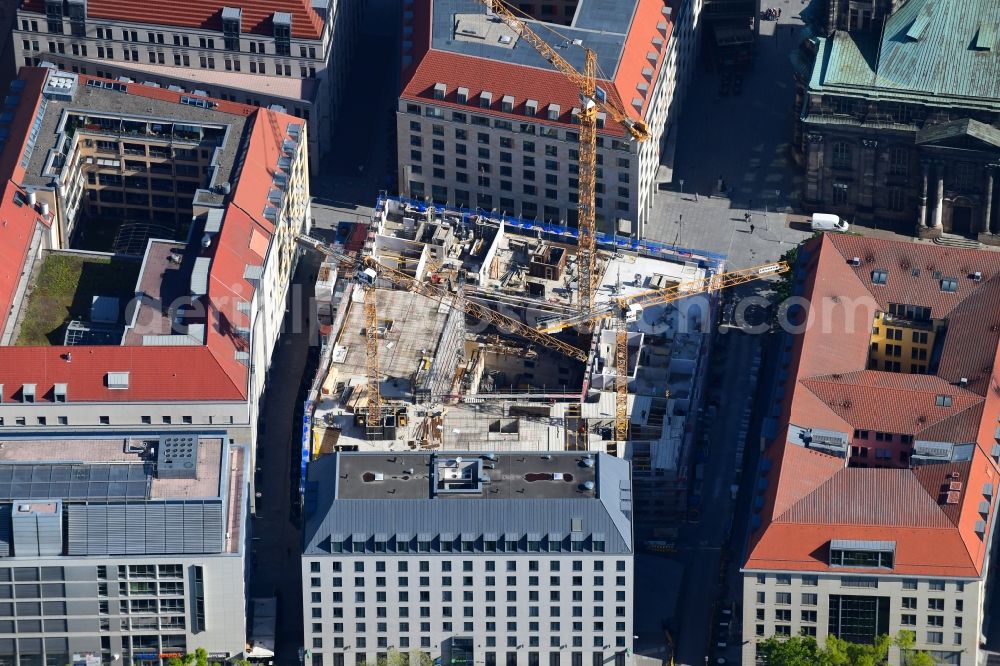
[510, 476]
[349, 509]
[601, 25]
[117, 104]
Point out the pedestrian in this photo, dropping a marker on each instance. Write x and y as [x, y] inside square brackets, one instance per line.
[746, 216]
[751, 228]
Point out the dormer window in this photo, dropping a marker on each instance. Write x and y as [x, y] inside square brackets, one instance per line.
[28, 393]
[862, 554]
[485, 99]
[232, 18]
[282, 33]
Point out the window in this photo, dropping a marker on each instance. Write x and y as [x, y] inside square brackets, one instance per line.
[935, 604]
[896, 198]
[879, 276]
[898, 161]
[965, 175]
[949, 285]
[858, 619]
[783, 598]
[809, 599]
[842, 105]
[858, 581]
[840, 193]
[935, 637]
[942, 401]
[842, 156]
[861, 558]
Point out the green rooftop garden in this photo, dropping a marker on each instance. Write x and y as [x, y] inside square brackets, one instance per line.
[64, 289]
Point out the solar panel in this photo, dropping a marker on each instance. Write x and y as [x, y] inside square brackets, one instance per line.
[99, 481]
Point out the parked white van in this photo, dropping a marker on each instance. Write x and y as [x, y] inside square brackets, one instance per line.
[828, 222]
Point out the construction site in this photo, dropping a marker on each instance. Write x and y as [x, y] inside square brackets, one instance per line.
[465, 332]
[451, 329]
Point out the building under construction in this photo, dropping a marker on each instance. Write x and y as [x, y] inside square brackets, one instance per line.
[449, 381]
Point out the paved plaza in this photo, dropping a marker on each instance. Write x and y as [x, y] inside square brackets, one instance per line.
[744, 140]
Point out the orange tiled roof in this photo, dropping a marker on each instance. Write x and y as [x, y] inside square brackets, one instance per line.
[306, 23]
[811, 497]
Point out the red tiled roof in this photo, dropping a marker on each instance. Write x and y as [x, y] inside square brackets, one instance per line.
[857, 496]
[891, 401]
[306, 23]
[810, 497]
[17, 223]
[916, 269]
[801, 471]
[634, 59]
[497, 77]
[171, 373]
[155, 373]
[542, 83]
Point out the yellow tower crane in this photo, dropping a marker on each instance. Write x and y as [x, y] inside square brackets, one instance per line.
[373, 420]
[593, 98]
[367, 271]
[626, 309]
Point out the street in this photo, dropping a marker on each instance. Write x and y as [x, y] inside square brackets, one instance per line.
[745, 139]
[275, 536]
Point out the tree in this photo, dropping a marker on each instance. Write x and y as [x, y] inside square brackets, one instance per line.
[418, 658]
[911, 657]
[793, 651]
[805, 651]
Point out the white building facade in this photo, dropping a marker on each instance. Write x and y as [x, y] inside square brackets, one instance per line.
[458, 584]
[499, 142]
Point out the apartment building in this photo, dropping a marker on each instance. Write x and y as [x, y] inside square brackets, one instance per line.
[876, 497]
[505, 558]
[485, 122]
[174, 219]
[125, 550]
[291, 54]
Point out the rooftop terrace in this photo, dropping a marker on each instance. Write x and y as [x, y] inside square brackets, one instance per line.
[51, 458]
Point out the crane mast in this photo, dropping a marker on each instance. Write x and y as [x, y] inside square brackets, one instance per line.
[373, 421]
[592, 100]
[368, 270]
